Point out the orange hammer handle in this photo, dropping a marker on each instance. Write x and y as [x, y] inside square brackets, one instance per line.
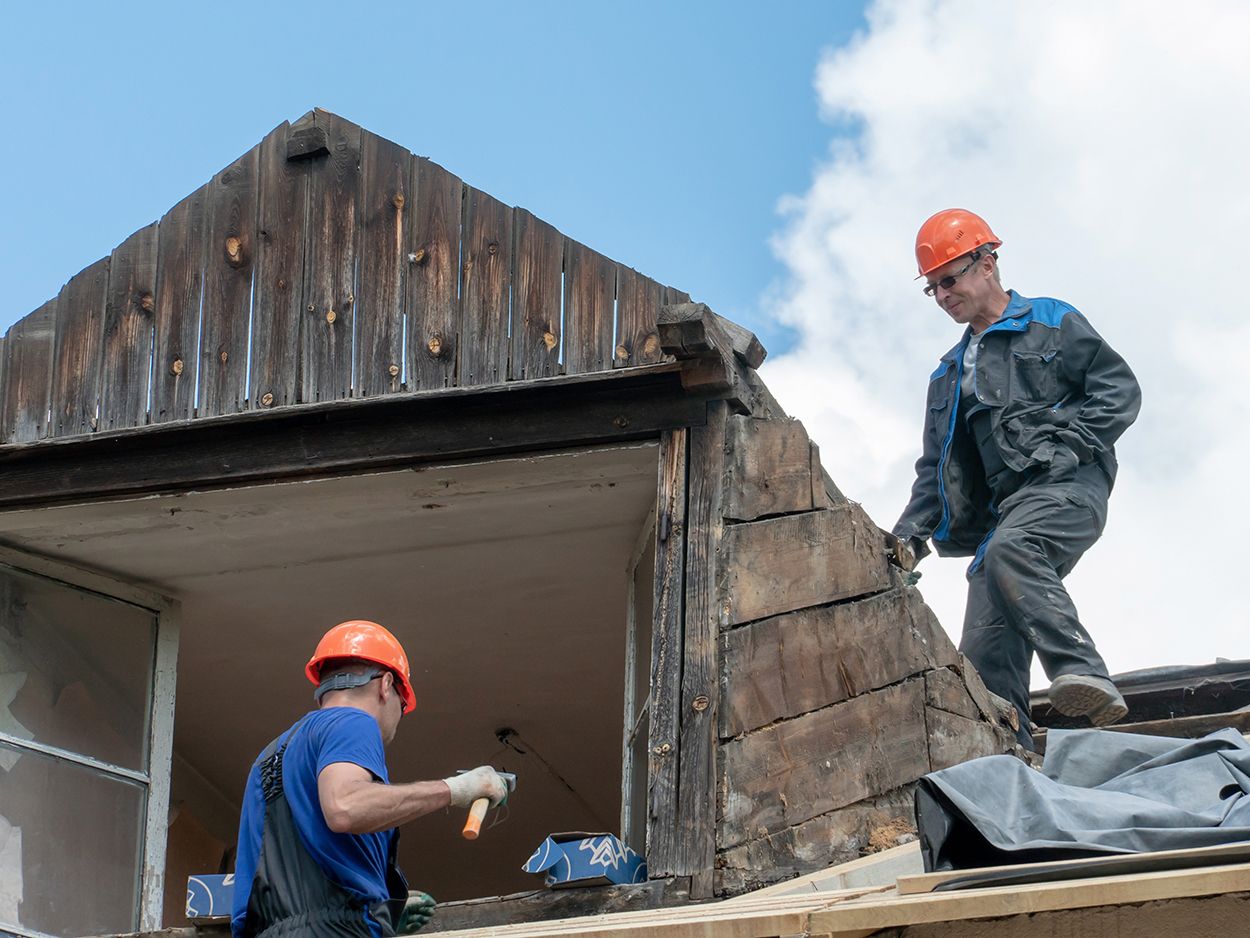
[477, 813]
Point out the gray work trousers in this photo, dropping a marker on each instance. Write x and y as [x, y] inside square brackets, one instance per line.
[1017, 603]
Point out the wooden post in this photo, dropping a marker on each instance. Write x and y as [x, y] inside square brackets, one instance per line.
[663, 835]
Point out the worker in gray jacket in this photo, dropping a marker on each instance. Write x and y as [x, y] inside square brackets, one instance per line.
[1017, 464]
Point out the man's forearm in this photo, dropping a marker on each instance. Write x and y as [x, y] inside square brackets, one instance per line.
[368, 807]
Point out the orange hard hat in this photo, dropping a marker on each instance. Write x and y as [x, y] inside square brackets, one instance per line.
[949, 234]
[366, 641]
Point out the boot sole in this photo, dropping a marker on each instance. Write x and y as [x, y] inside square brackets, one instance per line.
[1075, 698]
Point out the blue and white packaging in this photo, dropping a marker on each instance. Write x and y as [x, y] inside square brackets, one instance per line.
[580, 858]
[209, 895]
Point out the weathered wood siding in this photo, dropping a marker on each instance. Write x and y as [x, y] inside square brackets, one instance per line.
[838, 687]
[325, 263]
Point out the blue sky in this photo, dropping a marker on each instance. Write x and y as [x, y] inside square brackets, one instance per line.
[661, 134]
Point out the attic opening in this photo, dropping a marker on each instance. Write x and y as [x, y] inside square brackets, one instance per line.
[521, 588]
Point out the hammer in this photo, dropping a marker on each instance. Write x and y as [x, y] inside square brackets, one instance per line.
[477, 810]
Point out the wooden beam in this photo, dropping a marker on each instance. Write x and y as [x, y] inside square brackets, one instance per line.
[699, 682]
[664, 739]
[768, 470]
[350, 436]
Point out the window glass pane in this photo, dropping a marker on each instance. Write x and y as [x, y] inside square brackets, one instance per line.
[75, 669]
[69, 846]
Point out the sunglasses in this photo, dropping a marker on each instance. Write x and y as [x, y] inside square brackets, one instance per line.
[949, 280]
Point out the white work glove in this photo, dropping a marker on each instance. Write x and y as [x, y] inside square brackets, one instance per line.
[482, 782]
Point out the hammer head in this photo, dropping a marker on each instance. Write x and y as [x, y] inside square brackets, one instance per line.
[509, 778]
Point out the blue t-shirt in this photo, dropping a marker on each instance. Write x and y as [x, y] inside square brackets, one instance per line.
[357, 862]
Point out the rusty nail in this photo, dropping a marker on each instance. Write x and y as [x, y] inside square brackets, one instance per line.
[663, 749]
[266, 399]
[176, 367]
[394, 371]
[700, 703]
[331, 316]
[147, 302]
[281, 284]
[417, 256]
[620, 422]
[351, 299]
[312, 308]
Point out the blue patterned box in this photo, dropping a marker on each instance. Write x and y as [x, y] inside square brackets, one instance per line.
[578, 858]
[209, 895]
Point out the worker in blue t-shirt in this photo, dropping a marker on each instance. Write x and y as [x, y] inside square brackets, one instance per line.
[317, 833]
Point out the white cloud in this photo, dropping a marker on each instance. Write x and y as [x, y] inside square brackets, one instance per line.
[1106, 144]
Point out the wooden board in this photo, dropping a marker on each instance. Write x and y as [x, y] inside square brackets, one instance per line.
[637, 306]
[276, 309]
[485, 290]
[387, 203]
[663, 762]
[792, 771]
[792, 562]
[699, 681]
[229, 262]
[769, 470]
[944, 690]
[589, 297]
[434, 278]
[801, 661]
[76, 350]
[838, 837]
[330, 264]
[28, 376]
[179, 279]
[536, 297]
[126, 357]
[953, 739]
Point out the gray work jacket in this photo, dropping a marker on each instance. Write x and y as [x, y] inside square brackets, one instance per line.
[1059, 397]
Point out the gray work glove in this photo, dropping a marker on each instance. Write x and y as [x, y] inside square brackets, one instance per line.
[482, 782]
[418, 911]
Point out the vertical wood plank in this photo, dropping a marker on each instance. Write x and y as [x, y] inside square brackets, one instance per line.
[387, 201]
[275, 345]
[76, 350]
[179, 280]
[126, 357]
[229, 262]
[700, 671]
[485, 290]
[28, 377]
[671, 295]
[330, 266]
[637, 306]
[4, 379]
[434, 278]
[589, 295]
[536, 285]
[663, 745]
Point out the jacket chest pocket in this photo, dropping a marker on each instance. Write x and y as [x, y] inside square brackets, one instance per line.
[1035, 375]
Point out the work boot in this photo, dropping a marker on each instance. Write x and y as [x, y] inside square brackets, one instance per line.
[1084, 695]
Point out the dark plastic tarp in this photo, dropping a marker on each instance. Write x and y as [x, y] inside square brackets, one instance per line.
[1099, 793]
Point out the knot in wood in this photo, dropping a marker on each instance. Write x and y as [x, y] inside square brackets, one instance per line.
[700, 703]
[147, 302]
[393, 371]
[398, 201]
[417, 256]
[224, 356]
[435, 345]
[549, 340]
[331, 315]
[620, 421]
[234, 250]
[176, 367]
[492, 249]
[651, 344]
[281, 284]
[622, 353]
[266, 399]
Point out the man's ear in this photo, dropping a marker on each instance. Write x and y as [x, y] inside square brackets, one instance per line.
[387, 682]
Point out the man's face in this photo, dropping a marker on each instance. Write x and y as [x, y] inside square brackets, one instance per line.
[966, 298]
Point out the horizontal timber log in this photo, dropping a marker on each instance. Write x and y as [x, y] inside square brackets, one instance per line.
[792, 562]
[795, 770]
[836, 837]
[768, 468]
[954, 739]
[802, 661]
[351, 436]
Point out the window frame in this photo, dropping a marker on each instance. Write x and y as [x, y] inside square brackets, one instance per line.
[156, 779]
